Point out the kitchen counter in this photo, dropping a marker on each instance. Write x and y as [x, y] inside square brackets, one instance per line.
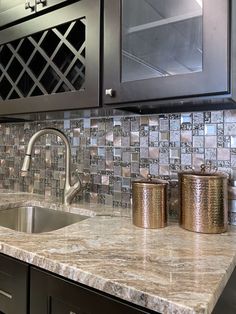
[167, 270]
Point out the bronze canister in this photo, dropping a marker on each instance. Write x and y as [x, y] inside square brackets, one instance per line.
[203, 201]
[149, 203]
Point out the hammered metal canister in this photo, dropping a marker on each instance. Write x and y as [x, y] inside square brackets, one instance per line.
[203, 202]
[149, 203]
[232, 201]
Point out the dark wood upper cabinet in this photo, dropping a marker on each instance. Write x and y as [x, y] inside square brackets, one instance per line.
[153, 52]
[14, 10]
[46, 4]
[51, 62]
[157, 50]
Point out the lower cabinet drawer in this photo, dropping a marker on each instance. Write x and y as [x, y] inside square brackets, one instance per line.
[13, 286]
[53, 295]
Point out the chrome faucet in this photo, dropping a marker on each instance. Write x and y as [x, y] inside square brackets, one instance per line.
[69, 190]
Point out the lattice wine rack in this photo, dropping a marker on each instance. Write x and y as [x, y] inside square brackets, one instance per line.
[47, 62]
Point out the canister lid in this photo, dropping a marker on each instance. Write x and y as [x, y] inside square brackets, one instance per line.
[150, 180]
[206, 171]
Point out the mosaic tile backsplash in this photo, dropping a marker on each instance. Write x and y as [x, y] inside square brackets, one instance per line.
[109, 152]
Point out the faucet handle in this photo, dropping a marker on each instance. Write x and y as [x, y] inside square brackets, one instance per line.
[72, 190]
[26, 165]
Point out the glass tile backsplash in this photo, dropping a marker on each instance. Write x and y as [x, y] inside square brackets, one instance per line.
[109, 152]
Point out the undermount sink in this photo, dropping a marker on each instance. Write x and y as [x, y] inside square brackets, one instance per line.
[34, 219]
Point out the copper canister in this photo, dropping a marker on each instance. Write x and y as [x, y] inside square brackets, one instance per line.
[203, 201]
[149, 203]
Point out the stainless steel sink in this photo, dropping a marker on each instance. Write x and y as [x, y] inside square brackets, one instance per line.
[33, 219]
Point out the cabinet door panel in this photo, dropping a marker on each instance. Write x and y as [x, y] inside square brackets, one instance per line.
[53, 295]
[57, 306]
[165, 49]
[52, 61]
[13, 10]
[13, 286]
[161, 38]
[46, 4]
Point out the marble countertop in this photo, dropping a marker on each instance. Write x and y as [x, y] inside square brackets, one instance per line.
[167, 270]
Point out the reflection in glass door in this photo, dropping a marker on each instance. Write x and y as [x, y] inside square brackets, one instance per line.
[161, 38]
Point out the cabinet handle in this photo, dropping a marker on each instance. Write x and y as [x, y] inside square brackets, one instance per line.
[43, 2]
[5, 294]
[109, 92]
[28, 5]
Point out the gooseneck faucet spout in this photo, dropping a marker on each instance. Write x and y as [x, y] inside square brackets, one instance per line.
[69, 190]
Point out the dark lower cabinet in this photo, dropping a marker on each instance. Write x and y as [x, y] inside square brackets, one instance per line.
[227, 301]
[13, 286]
[53, 295]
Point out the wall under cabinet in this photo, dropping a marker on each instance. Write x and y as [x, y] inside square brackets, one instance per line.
[110, 151]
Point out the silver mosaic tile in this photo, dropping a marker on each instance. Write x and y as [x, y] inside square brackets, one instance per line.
[153, 121]
[175, 125]
[198, 117]
[144, 141]
[186, 118]
[233, 160]
[175, 153]
[197, 161]
[174, 136]
[186, 159]
[210, 141]
[210, 129]
[233, 141]
[186, 136]
[210, 154]
[198, 141]
[154, 138]
[154, 169]
[207, 117]
[230, 129]
[223, 154]
[135, 124]
[164, 170]
[153, 152]
[112, 151]
[229, 116]
[217, 116]
[164, 125]
[144, 152]
[134, 141]
[164, 136]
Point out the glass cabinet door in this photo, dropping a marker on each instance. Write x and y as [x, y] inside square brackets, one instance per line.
[161, 38]
[158, 49]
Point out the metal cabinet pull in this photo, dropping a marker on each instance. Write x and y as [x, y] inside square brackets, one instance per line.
[109, 92]
[5, 294]
[43, 2]
[28, 5]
